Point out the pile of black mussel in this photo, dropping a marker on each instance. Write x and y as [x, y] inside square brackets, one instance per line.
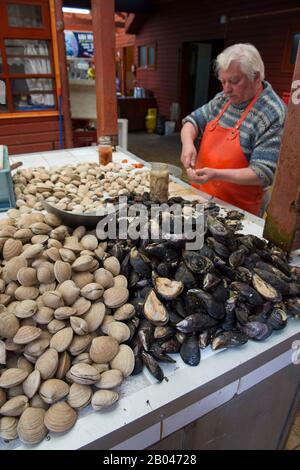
[235, 288]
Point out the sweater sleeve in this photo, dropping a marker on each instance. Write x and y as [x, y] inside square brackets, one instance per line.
[263, 160]
[201, 116]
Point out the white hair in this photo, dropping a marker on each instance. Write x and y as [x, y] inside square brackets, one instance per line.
[246, 55]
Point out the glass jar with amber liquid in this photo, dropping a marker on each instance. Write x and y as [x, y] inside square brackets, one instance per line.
[104, 150]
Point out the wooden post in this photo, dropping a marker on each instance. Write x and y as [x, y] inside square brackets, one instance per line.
[283, 215]
[103, 18]
[63, 74]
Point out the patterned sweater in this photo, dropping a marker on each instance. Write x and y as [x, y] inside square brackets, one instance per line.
[260, 132]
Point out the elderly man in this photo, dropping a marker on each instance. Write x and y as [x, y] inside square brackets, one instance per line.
[240, 130]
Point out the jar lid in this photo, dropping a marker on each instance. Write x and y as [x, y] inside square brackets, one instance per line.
[104, 140]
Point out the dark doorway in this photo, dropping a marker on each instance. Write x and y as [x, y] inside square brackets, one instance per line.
[199, 83]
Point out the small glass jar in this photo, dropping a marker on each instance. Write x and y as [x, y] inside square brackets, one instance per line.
[159, 182]
[104, 150]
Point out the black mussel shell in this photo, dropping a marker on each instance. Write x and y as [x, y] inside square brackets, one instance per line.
[219, 248]
[138, 365]
[277, 319]
[196, 263]
[236, 258]
[272, 269]
[167, 268]
[159, 353]
[247, 293]
[164, 332]
[145, 334]
[294, 289]
[195, 322]
[229, 339]
[186, 276]
[205, 301]
[217, 229]
[256, 330]
[221, 292]
[190, 351]
[210, 281]
[242, 313]
[140, 263]
[153, 367]
[171, 346]
[243, 274]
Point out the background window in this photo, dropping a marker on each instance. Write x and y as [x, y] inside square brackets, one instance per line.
[146, 56]
[295, 44]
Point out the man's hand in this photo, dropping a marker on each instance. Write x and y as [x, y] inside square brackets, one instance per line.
[188, 156]
[201, 176]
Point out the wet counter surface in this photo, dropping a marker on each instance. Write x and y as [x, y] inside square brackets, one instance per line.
[148, 411]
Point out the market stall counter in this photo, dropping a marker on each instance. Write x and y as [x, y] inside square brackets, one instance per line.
[242, 398]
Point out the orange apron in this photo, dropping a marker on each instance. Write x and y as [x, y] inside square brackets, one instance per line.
[220, 148]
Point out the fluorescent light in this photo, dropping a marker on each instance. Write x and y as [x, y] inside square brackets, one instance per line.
[83, 11]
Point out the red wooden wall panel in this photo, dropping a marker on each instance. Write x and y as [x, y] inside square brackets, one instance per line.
[29, 135]
[177, 22]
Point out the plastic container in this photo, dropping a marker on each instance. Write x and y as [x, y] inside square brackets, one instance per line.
[169, 127]
[104, 150]
[7, 195]
[151, 120]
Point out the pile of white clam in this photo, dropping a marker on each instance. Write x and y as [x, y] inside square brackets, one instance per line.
[79, 189]
[61, 328]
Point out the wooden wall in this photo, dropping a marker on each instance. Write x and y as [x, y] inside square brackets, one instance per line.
[24, 135]
[177, 22]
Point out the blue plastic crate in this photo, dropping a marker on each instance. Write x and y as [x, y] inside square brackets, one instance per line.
[7, 195]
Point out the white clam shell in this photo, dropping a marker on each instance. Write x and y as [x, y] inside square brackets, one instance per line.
[31, 428]
[60, 417]
[103, 399]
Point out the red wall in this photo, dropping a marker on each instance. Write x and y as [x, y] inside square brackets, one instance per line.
[176, 22]
[30, 134]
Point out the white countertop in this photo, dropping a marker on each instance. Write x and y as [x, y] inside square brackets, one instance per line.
[142, 399]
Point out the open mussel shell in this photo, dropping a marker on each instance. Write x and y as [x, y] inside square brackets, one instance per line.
[265, 289]
[190, 351]
[229, 339]
[274, 280]
[154, 310]
[167, 288]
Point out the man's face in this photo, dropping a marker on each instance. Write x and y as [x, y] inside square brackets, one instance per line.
[236, 85]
